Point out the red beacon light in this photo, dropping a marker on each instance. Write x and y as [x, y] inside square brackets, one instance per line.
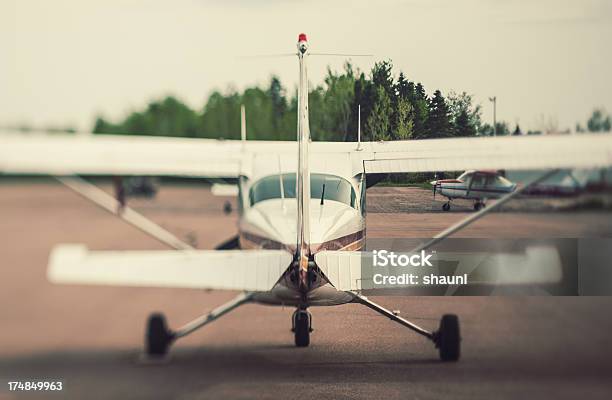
[302, 43]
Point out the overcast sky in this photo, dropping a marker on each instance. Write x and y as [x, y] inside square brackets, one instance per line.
[63, 62]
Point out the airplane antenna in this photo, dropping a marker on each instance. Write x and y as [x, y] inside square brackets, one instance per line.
[359, 127]
[242, 123]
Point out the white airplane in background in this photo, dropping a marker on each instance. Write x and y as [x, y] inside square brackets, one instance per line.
[473, 185]
[301, 211]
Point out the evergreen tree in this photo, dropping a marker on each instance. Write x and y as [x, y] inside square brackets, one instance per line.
[599, 122]
[378, 124]
[420, 115]
[419, 91]
[279, 103]
[404, 89]
[383, 77]
[364, 97]
[403, 119]
[463, 126]
[438, 122]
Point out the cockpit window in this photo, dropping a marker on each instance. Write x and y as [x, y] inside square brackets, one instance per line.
[463, 177]
[502, 182]
[336, 188]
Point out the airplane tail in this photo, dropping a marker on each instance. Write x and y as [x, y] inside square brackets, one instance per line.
[303, 172]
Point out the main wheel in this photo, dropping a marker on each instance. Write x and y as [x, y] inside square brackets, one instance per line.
[478, 206]
[158, 337]
[446, 206]
[448, 338]
[302, 328]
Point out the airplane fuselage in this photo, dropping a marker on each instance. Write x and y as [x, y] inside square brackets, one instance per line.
[268, 214]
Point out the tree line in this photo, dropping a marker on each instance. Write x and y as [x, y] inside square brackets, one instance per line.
[391, 109]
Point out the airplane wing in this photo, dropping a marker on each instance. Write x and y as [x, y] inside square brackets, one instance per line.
[248, 270]
[506, 152]
[88, 154]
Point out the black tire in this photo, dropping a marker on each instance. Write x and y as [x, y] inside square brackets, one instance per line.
[448, 338]
[302, 329]
[227, 208]
[478, 206]
[158, 337]
[446, 206]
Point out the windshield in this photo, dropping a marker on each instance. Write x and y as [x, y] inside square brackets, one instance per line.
[336, 188]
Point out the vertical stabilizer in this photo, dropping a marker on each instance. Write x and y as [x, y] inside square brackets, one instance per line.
[303, 172]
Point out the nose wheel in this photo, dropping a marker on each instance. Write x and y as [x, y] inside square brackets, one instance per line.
[446, 206]
[302, 326]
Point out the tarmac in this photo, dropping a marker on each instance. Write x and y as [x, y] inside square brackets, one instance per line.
[91, 338]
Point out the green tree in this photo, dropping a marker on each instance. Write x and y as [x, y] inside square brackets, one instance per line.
[317, 114]
[404, 89]
[502, 129]
[599, 122]
[260, 115]
[438, 122]
[221, 116]
[459, 104]
[383, 77]
[101, 125]
[463, 125]
[364, 97]
[167, 117]
[419, 91]
[379, 121]
[403, 119]
[338, 98]
[279, 104]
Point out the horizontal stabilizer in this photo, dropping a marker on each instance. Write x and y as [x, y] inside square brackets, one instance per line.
[224, 190]
[249, 270]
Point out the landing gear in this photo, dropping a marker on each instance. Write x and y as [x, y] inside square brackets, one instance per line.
[448, 338]
[478, 205]
[158, 337]
[446, 206]
[302, 326]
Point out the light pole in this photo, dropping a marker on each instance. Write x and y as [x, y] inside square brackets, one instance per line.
[494, 100]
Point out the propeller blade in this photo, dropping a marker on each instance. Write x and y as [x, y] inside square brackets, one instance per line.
[434, 184]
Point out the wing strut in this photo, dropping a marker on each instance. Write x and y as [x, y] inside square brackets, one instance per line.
[109, 203]
[214, 314]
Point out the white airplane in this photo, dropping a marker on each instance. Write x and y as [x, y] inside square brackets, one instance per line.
[473, 185]
[301, 207]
